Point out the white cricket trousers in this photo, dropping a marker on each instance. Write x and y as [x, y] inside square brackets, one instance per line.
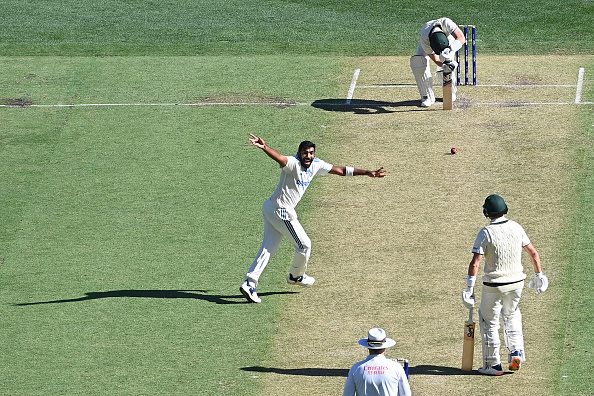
[496, 301]
[279, 223]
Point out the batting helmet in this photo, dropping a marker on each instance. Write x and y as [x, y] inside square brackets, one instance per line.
[494, 206]
[438, 41]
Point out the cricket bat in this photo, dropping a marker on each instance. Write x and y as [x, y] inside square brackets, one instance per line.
[447, 91]
[468, 348]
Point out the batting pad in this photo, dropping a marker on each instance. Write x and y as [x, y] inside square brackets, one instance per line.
[420, 67]
[439, 75]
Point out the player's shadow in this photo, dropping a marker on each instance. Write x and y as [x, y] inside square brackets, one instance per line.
[329, 372]
[425, 369]
[308, 372]
[366, 106]
[168, 294]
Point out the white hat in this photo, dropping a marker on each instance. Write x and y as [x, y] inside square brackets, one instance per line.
[376, 339]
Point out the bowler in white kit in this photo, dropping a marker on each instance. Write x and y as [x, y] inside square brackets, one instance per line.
[280, 217]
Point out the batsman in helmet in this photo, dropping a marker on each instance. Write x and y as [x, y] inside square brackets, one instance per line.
[501, 243]
[439, 41]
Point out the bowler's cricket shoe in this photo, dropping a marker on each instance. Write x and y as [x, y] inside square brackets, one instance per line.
[515, 360]
[304, 280]
[493, 370]
[248, 289]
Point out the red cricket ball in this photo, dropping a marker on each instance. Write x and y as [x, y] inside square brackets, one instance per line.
[454, 150]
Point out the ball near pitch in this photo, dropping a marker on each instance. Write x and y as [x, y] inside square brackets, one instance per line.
[454, 150]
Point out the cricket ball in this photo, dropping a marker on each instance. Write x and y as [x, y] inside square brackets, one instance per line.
[454, 150]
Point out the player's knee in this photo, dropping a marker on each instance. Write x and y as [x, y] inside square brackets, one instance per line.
[304, 247]
[304, 250]
[268, 250]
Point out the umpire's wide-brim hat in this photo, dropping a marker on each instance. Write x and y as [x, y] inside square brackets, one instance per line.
[376, 339]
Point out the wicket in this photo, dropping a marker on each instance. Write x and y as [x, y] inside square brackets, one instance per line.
[405, 364]
[465, 29]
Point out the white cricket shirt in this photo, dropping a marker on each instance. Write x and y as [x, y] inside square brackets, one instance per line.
[447, 26]
[377, 376]
[295, 179]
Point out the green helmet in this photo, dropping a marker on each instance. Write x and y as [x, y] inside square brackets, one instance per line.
[494, 206]
[438, 41]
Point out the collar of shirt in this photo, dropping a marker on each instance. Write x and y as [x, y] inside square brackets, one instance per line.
[375, 356]
[498, 220]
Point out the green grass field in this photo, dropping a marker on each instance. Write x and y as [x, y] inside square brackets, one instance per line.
[127, 224]
[351, 27]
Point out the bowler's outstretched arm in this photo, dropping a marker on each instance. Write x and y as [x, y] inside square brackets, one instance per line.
[272, 153]
[350, 171]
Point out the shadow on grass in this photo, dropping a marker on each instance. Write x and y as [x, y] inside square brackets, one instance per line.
[364, 106]
[328, 372]
[308, 372]
[191, 294]
[438, 370]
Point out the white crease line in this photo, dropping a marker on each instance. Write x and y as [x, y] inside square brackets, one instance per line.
[353, 85]
[389, 86]
[580, 84]
[524, 85]
[164, 104]
[520, 104]
[499, 104]
[462, 86]
[370, 104]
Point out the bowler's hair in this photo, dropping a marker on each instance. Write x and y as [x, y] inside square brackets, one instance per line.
[304, 145]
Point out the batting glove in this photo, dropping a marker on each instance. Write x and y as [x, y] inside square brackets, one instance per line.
[468, 297]
[540, 282]
[450, 66]
[446, 55]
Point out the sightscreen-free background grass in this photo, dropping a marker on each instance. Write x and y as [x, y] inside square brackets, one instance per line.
[126, 231]
[371, 27]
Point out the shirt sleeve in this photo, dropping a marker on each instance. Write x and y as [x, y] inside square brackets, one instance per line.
[480, 243]
[448, 26]
[349, 387]
[525, 239]
[324, 168]
[291, 165]
[404, 387]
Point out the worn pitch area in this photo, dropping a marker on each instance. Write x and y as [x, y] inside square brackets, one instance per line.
[393, 253]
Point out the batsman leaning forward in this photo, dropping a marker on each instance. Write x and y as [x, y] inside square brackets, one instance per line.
[439, 41]
[501, 243]
[280, 217]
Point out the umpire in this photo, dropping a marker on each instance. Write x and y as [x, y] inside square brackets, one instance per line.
[377, 375]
